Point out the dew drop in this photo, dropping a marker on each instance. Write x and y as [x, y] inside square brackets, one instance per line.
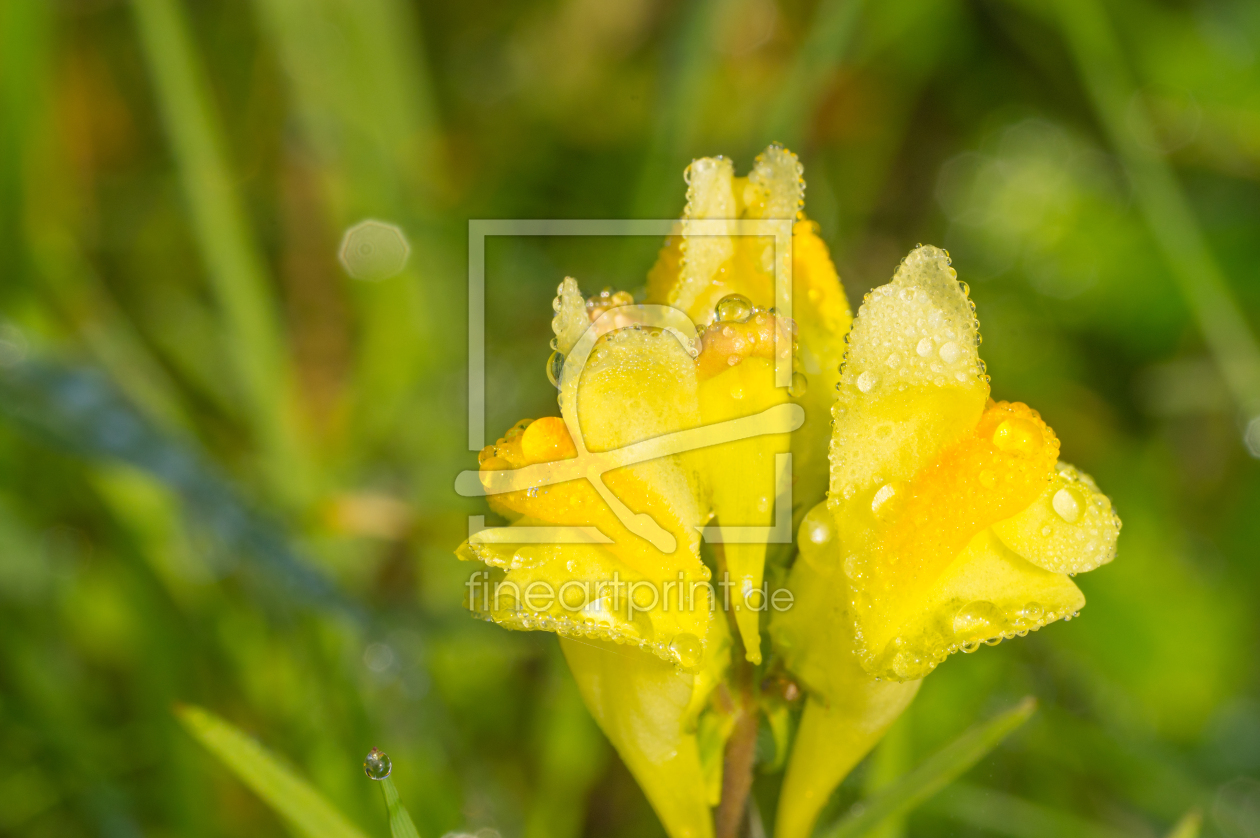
[950, 352]
[818, 527]
[978, 620]
[1032, 612]
[893, 360]
[377, 764]
[799, 386]
[735, 308]
[866, 381]
[1066, 505]
[924, 348]
[1019, 436]
[687, 649]
[882, 497]
[987, 478]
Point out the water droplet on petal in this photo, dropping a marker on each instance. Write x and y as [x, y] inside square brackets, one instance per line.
[1032, 612]
[687, 649]
[882, 497]
[1066, 504]
[377, 764]
[799, 386]
[924, 348]
[555, 367]
[1017, 435]
[866, 381]
[977, 621]
[950, 352]
[734, 308]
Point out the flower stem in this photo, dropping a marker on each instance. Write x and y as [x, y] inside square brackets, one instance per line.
[741, 748]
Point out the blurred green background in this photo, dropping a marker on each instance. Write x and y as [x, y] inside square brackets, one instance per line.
[226, 466]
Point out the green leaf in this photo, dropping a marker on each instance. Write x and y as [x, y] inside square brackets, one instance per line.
[400, 825]
[234, 264]
[289, 795]
[936, 772]
[1005, 814]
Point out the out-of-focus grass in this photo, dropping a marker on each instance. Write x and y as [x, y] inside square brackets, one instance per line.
[226, 467]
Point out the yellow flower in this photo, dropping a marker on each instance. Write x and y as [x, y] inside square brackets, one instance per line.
[949, 524]
[689, 377]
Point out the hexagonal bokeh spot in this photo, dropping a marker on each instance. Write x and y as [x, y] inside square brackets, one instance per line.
[373, 250]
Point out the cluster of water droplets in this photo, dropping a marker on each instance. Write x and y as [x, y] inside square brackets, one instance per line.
[1071, 529]
[914, 336]
[685, 650]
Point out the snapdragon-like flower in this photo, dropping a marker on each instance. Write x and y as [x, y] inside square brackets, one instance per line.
[949, 524]
[641, 621]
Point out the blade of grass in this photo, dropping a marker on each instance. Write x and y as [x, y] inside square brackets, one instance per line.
[280, 788]
[889, 762]
[1005, 814]
[1101, 63]
[933, 774]
[688, 66]
[400, 825]
[81, 412]
[35, 194]
[1189, 826]
[830, 34]
[235, 267]
[362, 94]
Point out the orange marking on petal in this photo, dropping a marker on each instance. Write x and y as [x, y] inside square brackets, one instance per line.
[995, 472]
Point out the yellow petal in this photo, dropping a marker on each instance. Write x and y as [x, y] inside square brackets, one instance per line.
[1071, 528]
[571, 319]
[848, 709]
[710, 196]
[830, 741]
[988, 593]
[742, 478]
[821, 311]
[584, 591]
[899, 541]
[642, 705]
[912, 383]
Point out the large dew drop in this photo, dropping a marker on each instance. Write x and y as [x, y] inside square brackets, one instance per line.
[1066, 504]
[735, 308]
[977, 621]
[377, 764]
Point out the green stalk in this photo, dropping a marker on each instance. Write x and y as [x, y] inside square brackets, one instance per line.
[235, 267]
[830, 34]
[361, 92]
[933, 774]
[400, 824]
[1101, 63]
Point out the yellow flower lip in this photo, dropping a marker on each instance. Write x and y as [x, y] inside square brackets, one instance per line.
[954, 525]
